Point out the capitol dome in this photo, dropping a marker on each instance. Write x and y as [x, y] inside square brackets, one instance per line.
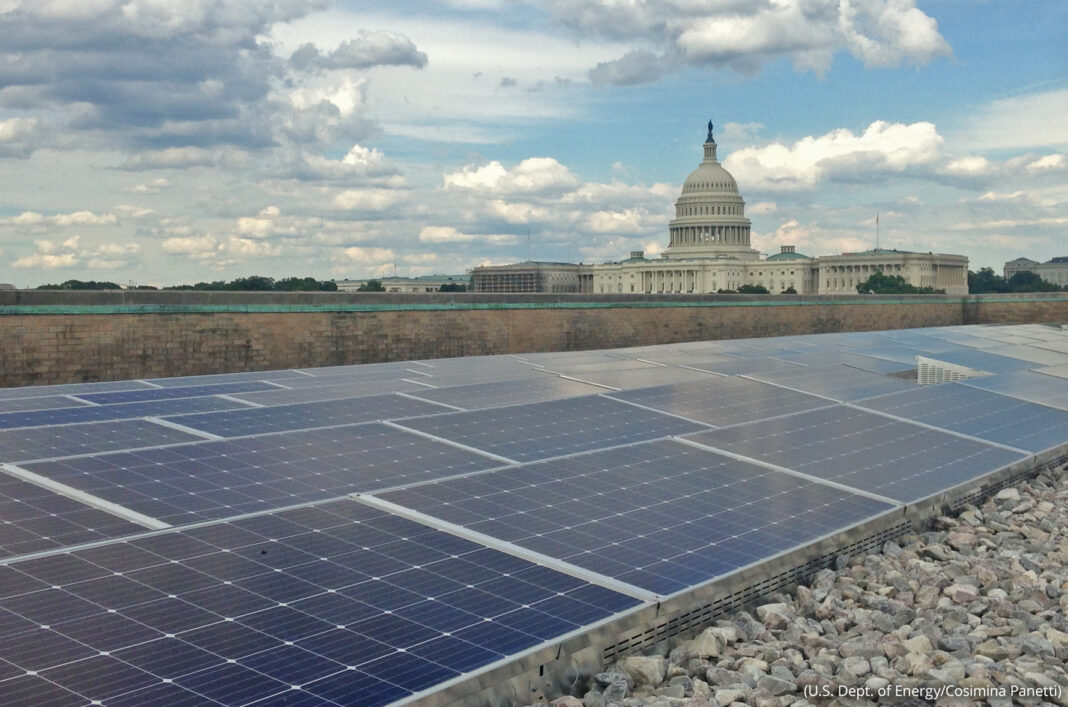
[710, 217]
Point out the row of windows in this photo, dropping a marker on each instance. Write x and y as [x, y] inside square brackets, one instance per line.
[704, 211]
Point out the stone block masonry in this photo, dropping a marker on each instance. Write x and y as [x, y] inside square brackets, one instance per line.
[57, 337]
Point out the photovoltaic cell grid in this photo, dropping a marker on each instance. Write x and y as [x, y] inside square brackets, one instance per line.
[90, 438]
[863, 450]
[36, 391]
[183, 483]
[659, 375]
[1026, 385]
[214, 480]
[723, 401]
[554, 428]
[191, 391]
[49, 402]
[331, 392]
[526, 390]
[970, 411]
[283, 418]
[353, 605]
[33, 519]
[840, 383]
[120, 411]
[663, 516]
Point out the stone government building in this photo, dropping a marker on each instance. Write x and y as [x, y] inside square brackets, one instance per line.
[709, 250]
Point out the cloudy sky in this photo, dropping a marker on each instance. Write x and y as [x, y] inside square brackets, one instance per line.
[168, 141]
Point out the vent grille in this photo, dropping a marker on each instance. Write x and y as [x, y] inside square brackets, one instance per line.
[707, 613]
[984, 492]
[931, 372]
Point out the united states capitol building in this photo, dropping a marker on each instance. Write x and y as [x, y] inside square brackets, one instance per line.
[709, 250]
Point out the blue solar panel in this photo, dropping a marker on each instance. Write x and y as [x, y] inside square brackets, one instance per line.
[497, 394]
[212, 480]
[663, 516]
[1026, 385]
[549, 429]
[331, 392]
[970, 411]
[90, 438]
[33, 519]
[36, 391]
[723, 400]
[120, 411]
[840, 383]
[866, 451]
[182, 641]
[49, 402]
[283, 418]
[191, 391]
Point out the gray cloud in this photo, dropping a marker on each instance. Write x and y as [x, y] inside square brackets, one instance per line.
[366, 50]
[744, 35]
[634, 67]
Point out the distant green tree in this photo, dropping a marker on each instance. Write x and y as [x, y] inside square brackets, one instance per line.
[789, 291]
[453, 287]
[752, 290]
[880, 284]
[252, 283]
[986, 280]
[726, 292]
[1027, 281]
[371, 286]
[305, 284]
[82, 285]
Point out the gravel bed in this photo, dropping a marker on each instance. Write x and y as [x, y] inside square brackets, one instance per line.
[970, 612]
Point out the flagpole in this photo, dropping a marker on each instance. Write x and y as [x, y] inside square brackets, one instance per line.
[876, 231]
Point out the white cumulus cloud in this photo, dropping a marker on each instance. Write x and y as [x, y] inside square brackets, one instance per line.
[838, 155]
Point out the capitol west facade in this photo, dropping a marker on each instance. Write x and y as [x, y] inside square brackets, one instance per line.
[709, 250]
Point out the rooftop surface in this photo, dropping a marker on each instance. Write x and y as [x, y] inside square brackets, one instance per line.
[370, 534]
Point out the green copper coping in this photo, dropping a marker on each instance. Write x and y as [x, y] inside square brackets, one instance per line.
[40, 309]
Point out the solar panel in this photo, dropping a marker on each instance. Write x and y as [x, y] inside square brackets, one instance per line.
[37, 391]
[212, 480]
[247, 610]
[349, 377]
[549, 429]
[618, 364]
[662, 516]
[283, 418]
[120, 411]
[660, 375]
[742, 366]
[983, 361]
[722, 401]
[1026, 385]
[331, 392]
[33, 519]
[840, 383]
[90, 438]
[135, 396]
[970, 411]
[49, 402]
[217, 378]
[496, 394]
[866, 451]
[1060, 371]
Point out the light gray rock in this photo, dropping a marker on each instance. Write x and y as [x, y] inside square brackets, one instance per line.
[567, 701]
[645, 670]
[614, 693]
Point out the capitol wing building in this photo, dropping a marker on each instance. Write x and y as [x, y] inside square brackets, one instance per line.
[709, 250]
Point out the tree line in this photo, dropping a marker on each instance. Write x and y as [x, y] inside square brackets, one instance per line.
[253, 283]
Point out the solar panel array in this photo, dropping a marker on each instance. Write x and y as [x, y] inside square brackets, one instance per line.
[368, 534]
